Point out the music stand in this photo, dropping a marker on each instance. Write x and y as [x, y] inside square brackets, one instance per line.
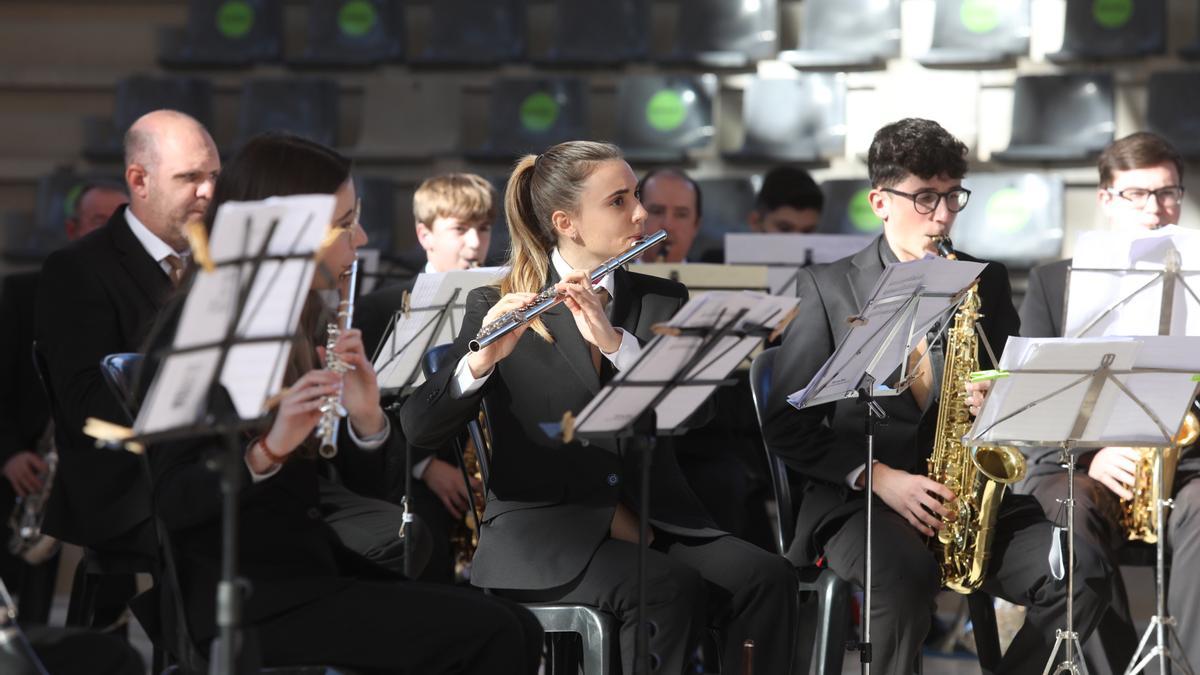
[1092, 378]
[786, 254]
[1140, 293]
[228, 357]
[674, 375]
[907, 300]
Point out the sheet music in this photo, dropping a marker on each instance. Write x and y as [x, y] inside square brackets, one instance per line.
[1130, 303]
[666, 355]
[252, 371]
[398, 361]
[785, 254]
[1116, 418]
[885, 331]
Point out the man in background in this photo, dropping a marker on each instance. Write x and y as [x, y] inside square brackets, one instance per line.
[788, 201]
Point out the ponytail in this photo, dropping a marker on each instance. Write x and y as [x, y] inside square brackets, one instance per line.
[539, 186]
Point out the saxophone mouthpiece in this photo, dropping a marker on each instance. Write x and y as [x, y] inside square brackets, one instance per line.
[945, 247]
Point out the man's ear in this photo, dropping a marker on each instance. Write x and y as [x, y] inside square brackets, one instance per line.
[424, 236]
[136, 177]
[755, 221]
[880, 203]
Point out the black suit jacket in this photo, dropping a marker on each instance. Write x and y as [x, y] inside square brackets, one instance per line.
[24, 411]
[549, 504]
[825, 443]
[1042, 308]
[97, 296]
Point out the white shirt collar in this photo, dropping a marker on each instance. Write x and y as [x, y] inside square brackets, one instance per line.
[564, 268]
[157, 248]
[429, 268]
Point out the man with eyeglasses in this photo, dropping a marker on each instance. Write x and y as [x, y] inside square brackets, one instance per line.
[1141, 186]
[916, 169]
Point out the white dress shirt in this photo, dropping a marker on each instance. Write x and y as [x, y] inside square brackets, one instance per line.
[156, 248]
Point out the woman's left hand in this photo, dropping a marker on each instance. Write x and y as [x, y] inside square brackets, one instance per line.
[360, 390]
[588, 310]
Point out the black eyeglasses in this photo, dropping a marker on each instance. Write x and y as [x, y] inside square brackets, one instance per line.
[927, 202]
[1165, 196]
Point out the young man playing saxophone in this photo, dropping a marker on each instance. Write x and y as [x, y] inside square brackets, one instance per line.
[916, 169]
[1141, 187]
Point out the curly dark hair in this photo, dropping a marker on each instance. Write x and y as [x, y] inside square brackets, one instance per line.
[914, 146]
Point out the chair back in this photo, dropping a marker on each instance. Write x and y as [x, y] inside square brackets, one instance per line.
[476, 428]
[760, 389]
[120, 371]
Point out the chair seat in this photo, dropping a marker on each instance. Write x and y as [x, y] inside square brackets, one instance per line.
[597, 628]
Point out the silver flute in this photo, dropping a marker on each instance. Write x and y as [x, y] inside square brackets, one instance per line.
[332, 410]
[510, 321]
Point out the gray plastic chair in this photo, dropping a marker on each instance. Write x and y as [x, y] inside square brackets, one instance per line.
[661, 117]
[1060, 118]
[138, 95]
[846, 34]
[595, 33]
[1091, 34]
[221, 33]
[726, 203]
[303, 106]
[727, 33]
[832, 592]
[353, 33]
[800, 120]
[847, 210]
[527, 115]
[1173, 109]
[993, 35]
[475, 33]
[1013, 218]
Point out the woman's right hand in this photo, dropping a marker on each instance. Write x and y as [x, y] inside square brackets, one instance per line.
[920, 500]
[300, 410]
[482, 361]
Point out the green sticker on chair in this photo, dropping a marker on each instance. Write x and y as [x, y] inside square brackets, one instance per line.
[980, 16]
[71, 200]
[235, 19]
[1112, 13]
[666, 110]
[539, 112]
[1007, 211]
[862, 216]
[356, 18]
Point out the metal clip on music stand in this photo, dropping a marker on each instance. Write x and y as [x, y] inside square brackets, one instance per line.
[1088, 430]
[610, 415]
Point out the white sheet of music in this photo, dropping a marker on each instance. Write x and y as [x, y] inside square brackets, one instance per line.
[664, 356]
[1116, 418]
[1130, 303]
[836, 379]
[785, 254]
[252, 371]
[398, 361]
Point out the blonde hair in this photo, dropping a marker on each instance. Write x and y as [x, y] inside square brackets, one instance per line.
[465, 196]
[539, 186]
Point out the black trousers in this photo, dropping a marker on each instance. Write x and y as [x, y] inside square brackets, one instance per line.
[371, 527]
[1097, 519]
[746, 591]
[406, 628]
[907, 579]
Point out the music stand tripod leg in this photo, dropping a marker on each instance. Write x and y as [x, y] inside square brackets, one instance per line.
[1069, 639]
[1162, 625]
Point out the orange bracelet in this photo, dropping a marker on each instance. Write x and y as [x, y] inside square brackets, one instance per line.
[271, 455]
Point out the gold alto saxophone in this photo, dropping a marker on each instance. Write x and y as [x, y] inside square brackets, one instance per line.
[332, 410]
[977, 476]
[1137, 514]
